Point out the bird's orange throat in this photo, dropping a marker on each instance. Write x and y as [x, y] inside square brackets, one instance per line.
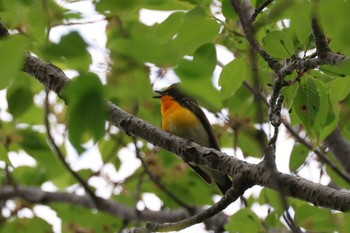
[168, 104]
[177, 119]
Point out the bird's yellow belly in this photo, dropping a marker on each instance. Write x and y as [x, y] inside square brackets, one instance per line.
[185, 124]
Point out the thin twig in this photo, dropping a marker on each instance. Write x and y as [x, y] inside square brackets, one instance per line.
[260, 8]
[317, 151]
[247, 30]
[302, 140]
[231, 195]
[156, 181]
[290, 222]
[270, 164]
[61, 156]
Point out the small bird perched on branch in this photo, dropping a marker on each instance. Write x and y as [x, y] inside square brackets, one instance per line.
[183, 117]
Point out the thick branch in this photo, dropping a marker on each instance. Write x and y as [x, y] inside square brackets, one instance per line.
[36, 195]
[340, 147]
[231, 195]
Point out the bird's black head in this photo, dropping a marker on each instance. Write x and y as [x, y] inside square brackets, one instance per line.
[173, 90]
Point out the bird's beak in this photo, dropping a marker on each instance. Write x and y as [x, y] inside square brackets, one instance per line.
[158, 96]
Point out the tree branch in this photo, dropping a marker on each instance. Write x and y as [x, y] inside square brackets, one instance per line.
[36, 195]
[340, 148]
[260, 8]
[191, 152]
[231, 195]
[60, 155]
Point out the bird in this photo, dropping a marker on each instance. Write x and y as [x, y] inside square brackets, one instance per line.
[183, 117]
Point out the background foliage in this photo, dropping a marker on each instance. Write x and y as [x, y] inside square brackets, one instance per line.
[140, 57]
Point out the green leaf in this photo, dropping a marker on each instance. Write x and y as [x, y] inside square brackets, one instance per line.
[25, 225]
[79, 219]
[3, 154]
[232, 76]
[30, 175]
[204, 92]
[147, 49]
[71, 50]
[337, 28]
[341, 70]
[227, 10]
[323, 110]
[251, 141]
[335, 177]
[303, 33]
[278, 44]
[206, 30]
[35, 144]
[109, 149]
[165, 31]
[12, 51]
[19, 96]
[186, 184]
[201, 67]
[244, 221]
[338, 91]
[86, 109]
[307, 103]
[272, 198]
[298, 156]
[118, 6]
[315, 219]
[169, 5]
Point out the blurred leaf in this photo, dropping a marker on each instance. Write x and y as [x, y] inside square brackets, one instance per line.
[166, 30]
[336, 28]
[227, 10]
[297, 157]
[119, 6]
[335, 178]
[323, 110]
[168, 5]
[19, 96]
[272, 198]
[11, 65]
[109, 150]
[273, 221]
[187, 39]
[3, 154]
[314, 218]
[303, 33]
[278, 44]
[31, 176]
[338, 91]
[340, 71]
[25, 225]
[35, 144]
[79, 219]
[147, 50]
[86, 109]
[232, 76]
[251, 141]
[249, 218]
[201, 67]
[71, 50]
[188, 186]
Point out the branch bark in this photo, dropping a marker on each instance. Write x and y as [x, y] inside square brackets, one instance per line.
[36, 195]
[340, 148]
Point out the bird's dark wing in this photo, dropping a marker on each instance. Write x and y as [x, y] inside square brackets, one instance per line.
[194, 107]
[202, 174]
